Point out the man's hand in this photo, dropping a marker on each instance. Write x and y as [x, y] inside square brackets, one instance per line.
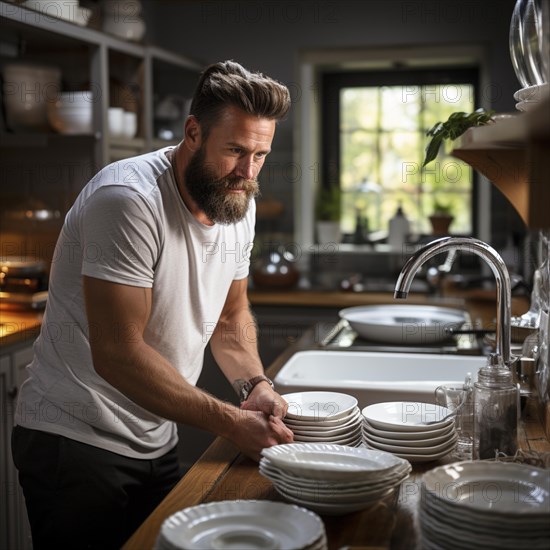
[263, 398]
[255, 431]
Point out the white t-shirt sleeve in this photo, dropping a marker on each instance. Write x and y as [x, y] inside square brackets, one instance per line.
[120, 237]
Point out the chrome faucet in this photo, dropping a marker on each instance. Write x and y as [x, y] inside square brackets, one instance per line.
[495, 262]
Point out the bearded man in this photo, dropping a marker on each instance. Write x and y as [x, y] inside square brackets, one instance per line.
[154, 252]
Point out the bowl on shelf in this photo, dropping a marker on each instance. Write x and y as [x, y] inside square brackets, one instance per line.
[68, 10]
[126, 27]
[67, 119]
[27, 90]
[129, 124]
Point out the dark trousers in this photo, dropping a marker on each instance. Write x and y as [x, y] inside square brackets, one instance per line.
[79, 496]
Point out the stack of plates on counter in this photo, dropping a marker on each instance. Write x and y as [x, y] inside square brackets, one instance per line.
[243, 524]
[479, 505]
[418, 432]
[332, 479]
[324, 417]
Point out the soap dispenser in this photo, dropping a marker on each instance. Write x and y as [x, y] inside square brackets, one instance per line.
[496, 399]
[398, 229]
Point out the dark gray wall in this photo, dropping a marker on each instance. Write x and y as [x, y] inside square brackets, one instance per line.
[267, 35]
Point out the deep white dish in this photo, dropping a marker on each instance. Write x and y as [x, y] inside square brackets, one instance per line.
[407, 416]
[410, 435]
[323, 425]
[331, 462]
[426, 442]
[319, 405]
[241, 524]
[521, 489]
[403, 324]
[416, 450]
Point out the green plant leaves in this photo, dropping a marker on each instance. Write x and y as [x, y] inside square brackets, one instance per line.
[453, 128]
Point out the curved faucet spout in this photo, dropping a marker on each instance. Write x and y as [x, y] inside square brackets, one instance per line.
[495, 262]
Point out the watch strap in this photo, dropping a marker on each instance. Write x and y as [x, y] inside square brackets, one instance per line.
[249, 385]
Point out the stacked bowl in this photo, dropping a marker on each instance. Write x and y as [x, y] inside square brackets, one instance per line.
[482, 504]
[324, 417]
[71, 112]
[243, 524]
[332, 479]
[418, 432]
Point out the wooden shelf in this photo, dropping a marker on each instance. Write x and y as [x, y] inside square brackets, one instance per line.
[512, 153]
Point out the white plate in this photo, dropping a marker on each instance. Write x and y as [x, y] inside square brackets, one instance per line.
[242, 524]
[425, 434]
[532, 93]
[319, 405]
[403, 324]
[407, 416]
[492, 487]
[327, 428]
[334, 509]
[390, 478]
[417, 459]
[347, 430]
[398, 449]
[428, 442]
[327, 461]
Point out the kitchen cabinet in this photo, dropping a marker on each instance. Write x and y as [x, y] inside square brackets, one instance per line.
[119, 73]
[14, 526]
[512, 154]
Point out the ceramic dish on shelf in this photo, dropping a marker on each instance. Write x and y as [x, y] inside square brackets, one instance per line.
[407, 416]
[242, 524]
[532, 93]
[325, 423]
[319, 405]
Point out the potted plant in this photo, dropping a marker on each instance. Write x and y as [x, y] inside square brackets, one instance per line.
[328, 214]
[441, 218]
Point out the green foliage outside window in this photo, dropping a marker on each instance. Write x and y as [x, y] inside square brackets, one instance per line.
[383, 139]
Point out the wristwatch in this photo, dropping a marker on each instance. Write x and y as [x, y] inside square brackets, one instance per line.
[249, 385]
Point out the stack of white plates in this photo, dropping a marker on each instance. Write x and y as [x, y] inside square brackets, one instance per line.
[471, 505]
[324, 417]
[418, 432]
[243, 524]
[332, 479]
[530, 96]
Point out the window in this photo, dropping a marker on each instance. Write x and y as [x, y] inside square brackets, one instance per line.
[374, 137]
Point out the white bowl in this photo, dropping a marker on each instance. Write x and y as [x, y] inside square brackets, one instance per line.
[115, 117]
[70, 120]
[128, 28]
[68, 10]
[129, 124]
[124, 8]
[75, 99]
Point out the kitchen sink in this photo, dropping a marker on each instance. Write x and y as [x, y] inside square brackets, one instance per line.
[374, 377]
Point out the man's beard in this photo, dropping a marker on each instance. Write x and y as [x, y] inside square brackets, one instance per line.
[212, 195]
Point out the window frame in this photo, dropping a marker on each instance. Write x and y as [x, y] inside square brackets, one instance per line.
[331, 83]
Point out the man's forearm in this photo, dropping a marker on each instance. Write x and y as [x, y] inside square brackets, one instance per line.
[234, 345]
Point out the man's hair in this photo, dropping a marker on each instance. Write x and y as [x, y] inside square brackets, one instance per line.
[228, 83]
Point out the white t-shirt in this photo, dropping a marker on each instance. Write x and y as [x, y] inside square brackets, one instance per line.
[129, 225]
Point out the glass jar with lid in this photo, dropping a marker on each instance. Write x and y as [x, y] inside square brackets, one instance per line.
[496, 408]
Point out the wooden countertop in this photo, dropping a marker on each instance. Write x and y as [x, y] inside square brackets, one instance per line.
[18, 326]
[222, 473]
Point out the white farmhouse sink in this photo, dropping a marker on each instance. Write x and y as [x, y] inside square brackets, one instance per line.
[374, 377]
